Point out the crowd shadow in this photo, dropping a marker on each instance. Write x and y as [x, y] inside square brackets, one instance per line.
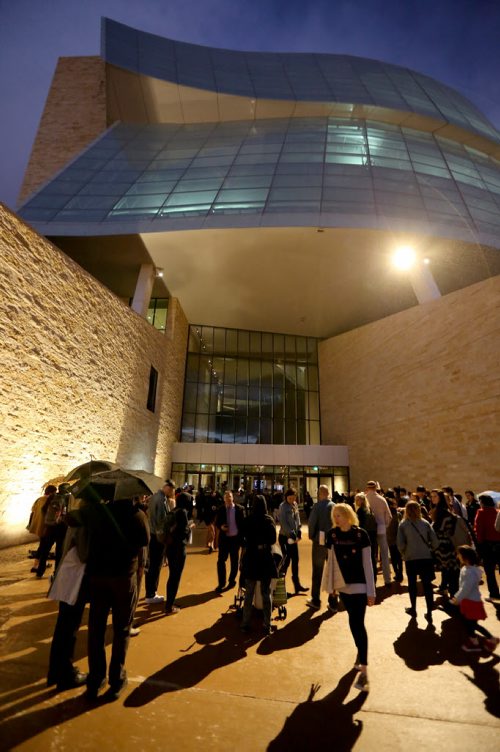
[323, 724]
[295, 633]
[17, 729]
[421, 648]
[222, 644]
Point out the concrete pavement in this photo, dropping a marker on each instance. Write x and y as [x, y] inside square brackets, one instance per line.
[197, 682]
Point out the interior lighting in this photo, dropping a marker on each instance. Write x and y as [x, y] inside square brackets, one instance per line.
[159, 272]
[404, 258]
[427, 261]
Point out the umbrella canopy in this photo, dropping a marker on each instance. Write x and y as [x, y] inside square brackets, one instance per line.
[90, 468]
[109, 486]
[495, 495]
[153, 482]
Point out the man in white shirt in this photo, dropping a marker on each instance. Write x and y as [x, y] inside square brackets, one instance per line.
[382, 514]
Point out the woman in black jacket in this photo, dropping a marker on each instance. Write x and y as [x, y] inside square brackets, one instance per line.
[257, 564]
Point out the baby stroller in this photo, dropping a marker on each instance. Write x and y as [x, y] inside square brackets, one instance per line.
[278, 589]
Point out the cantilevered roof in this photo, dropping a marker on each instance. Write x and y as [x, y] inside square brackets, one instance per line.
[300, 77]
[319, 172]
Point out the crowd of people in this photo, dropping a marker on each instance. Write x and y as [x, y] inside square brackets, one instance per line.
[122, 540]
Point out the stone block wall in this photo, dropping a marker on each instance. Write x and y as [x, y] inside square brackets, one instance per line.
[75, 374]
[416, 396]
[74, 115]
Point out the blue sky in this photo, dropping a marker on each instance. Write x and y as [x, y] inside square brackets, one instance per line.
[455, 41]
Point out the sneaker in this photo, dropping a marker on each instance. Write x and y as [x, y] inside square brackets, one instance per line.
[155, 599]
[169, 610]
[471, 646]
[490, 644]
[134, 631]
[362, 683]
[313, 604]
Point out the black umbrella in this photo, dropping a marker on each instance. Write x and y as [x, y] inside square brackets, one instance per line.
[109, 485]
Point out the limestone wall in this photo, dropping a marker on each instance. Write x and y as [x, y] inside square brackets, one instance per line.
[74, 115]
[416, 396]
[75, 374]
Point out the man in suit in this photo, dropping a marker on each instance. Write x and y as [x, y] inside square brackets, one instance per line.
[229, 522]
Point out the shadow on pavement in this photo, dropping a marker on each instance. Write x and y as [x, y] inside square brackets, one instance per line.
[17, 729]
[323, 724]
[222, 645]
[297, 632]
[421, 648]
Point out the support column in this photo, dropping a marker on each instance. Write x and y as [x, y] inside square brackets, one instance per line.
[143, 289]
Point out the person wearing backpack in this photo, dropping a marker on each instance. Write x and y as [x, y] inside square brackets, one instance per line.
[367, 522]
[177, 534]
[392, 534]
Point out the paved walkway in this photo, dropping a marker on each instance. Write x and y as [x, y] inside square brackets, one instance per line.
[196, 682]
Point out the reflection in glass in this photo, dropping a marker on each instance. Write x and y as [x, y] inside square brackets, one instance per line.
[246, 395]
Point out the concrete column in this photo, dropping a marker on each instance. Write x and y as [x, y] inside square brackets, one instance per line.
[143, 289]
[423, 283]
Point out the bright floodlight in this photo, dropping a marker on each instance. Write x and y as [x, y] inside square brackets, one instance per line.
[404, 257]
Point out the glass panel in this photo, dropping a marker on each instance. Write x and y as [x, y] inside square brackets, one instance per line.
[233, 397]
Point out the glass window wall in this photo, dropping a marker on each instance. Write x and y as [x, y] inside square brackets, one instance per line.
[250, 388]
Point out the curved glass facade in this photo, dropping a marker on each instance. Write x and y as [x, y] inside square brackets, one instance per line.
[289, 76]
[337, 172]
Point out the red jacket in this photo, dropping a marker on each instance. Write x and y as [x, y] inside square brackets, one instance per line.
[484, 525]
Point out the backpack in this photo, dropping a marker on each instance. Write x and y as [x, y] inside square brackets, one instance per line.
[169, 525]
[370, 522]
[461, 535]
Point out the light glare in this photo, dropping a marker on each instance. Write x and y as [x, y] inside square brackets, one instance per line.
[404, 257]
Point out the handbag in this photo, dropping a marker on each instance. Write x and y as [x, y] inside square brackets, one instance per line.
[461, 535]
[435, 562]
[68, 579]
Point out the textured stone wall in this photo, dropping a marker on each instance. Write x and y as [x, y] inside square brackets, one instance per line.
[75, 374]
[74, 115]
[416, 396]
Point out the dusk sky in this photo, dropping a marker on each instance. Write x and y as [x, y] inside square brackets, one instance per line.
[455, 41]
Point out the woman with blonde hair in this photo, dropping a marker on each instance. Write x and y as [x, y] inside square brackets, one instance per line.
[416, 542]
[350, 573]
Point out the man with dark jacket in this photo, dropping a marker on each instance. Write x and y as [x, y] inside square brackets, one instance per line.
[319, 523]
[116, 533]
[229, 521]
[177, 533]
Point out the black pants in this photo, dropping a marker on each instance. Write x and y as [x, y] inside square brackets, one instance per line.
[471, 627]
[291, 554]
[118, 594]
[176, 557]
[62, 649]
[490, 554]
[397, 562]
[355, 605]
[156, 552]
[423, 568]
[228, 547]
[53, 534]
